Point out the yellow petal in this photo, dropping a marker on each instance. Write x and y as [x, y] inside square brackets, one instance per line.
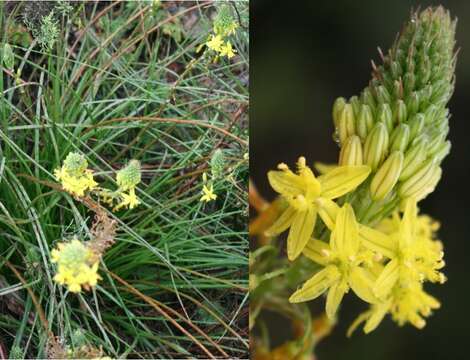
[317, 251]
[323, 168]
[387, 279]
[285, 182]
[360, 319]
[377, 241]
[408, 222]
[328, 210]
[300, 232]
[378, 313]
[334, 297]
[345, 236]
[342, 180]
[362, 285]
[283, 222]
[317, 285]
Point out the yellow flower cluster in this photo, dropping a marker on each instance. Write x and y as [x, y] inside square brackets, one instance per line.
[384, 265]
[75, 176]
[224, 26]
[208, 193]
[77, 265]
[127, 179]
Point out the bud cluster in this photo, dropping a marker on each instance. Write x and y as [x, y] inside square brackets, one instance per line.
[399, 124]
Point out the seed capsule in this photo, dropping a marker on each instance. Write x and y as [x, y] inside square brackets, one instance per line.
[387, 176]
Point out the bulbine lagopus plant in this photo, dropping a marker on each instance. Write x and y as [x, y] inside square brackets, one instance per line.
[356, 228]
[78, 261]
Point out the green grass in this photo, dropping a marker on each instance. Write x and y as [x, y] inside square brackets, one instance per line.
[118, 87]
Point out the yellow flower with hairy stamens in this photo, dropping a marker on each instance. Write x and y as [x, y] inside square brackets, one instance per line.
[215, 43]
[304, 193]
[77, 265]
[127, 179]
[74, 175]
[208, 193]
[342, 259]
[227, 50]
[415, 257]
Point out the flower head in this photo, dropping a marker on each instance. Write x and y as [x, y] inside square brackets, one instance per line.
[74, 175]
[215, 43]
[127, 179]
[77, 265]
[342, 260]
[208, 193]
[305, 194]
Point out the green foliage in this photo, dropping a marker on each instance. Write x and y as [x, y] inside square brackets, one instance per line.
[113, 96]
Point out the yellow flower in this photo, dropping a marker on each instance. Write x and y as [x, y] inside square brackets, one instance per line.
[208, 193]
[76, 265]
[227, 50]
[74, 175]
[342, 259]
[215, 43]
[305, 194]
[414, 258]
[128, 200]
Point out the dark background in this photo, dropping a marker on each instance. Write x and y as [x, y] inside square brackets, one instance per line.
[305, 54]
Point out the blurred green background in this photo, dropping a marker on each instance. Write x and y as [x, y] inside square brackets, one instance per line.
[304, 54]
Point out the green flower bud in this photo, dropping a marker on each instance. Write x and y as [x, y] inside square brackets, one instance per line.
[337, 108]
[8, 57]
[418, 180]
[218, 164]
[364, 122]
[416, 125]
[383, 96]
[346, 126]
[396, 69]
[412, 103]
[442, 151]
[399, 115]
[368, 99]
[430, 186]
[356, 105]
[400, 138]
[75, 164]
[413, 158]
[351, 152]
[387, 176]
[436, 142]
[129, 177]
[376, 146]
[409, 83]
[384, 115]
[429, 114]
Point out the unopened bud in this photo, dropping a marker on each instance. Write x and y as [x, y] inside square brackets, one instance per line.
[400, 113]
[383, 95]
[412, 103]
[368, 99]
[408, 82]
[436, 142]
[346, 126]
[400, 138]
[418, 180]
[351, 152]
[387, 176]
[430, 114]
[384, 115]
[364, 121]
[442, 152]
[337, 108]
[376, 145]
[356, 105]
[129, 176]
[430, 186]
[416, 125]
[413, 159]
